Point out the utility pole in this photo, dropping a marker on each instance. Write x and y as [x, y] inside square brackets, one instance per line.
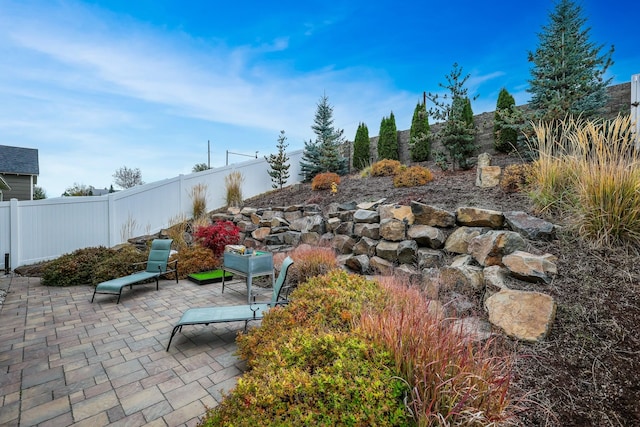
[208, 154]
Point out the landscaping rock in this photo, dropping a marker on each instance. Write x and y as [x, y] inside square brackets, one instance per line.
[425, 235]
[529, 226]
[366, 216]
[531, 268]
[476, 217]
[429, 215]
[393, 229]
[526, 316]
[458, 241]
[489, 248]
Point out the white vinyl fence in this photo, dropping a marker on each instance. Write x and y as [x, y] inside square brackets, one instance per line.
[40, 230]
[635, 105]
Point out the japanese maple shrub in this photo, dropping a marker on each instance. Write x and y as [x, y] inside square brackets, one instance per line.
[217, 236]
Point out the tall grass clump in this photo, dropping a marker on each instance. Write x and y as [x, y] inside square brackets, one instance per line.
[601, 170]
[553, 171]
[198, 195]
[233, 186]
[453, 381]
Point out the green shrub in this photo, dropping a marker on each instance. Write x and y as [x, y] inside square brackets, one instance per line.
[385, 167]
[413, 176]
[309, 261]
[324, 379]
[323, 181]
[308, 367]
[75, 268]
[118, 264]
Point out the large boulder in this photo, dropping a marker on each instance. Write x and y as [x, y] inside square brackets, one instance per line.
[526, 316]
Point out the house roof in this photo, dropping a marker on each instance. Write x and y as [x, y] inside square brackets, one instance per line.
[18, 160]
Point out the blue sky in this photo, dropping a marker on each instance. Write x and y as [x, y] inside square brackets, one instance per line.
[98, 85]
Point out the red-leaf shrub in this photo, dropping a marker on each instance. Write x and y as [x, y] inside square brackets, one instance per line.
[217, 236]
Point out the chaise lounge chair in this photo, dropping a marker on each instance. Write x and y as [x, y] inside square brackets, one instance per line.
[156, 267]
[246, 313]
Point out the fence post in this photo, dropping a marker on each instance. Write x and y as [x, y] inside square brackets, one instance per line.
[14, 225]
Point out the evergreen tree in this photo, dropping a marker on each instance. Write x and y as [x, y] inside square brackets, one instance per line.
[505, 137]
[454, 109]
[199, 167]
[39, 193]
[361, 147]
[279, 172]
[419, 138]
[388, 139]
[324, 155]
[568, 70]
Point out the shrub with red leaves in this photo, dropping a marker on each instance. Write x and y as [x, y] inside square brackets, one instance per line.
[217, 236]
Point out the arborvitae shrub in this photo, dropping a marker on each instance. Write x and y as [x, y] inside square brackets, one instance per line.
[385, 167]
[413, 176]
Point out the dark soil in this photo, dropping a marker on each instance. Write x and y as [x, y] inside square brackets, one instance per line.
[587, 371]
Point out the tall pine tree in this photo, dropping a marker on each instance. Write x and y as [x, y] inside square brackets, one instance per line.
[504, 137]
[419, 138]
[388, 139]
[568, 69]
[361, 147]
[279, 168]
[323, 155]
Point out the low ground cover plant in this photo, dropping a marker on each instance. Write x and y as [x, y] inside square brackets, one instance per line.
[74, 268]
[90, 266]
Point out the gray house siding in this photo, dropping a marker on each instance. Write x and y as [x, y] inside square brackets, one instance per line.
[20, 187]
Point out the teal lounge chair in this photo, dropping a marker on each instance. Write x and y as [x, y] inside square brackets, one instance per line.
[255, 311]
[156, 267]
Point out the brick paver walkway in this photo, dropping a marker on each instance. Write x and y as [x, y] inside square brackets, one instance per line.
[67, 362]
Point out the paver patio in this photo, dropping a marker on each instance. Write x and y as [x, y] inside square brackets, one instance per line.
[68, 362]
